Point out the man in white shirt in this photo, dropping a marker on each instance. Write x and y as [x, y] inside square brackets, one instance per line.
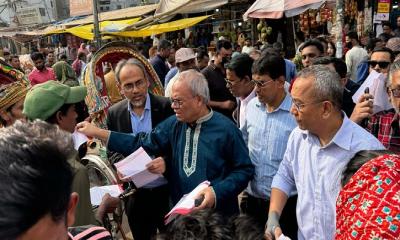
[238, 81]
[247, 48]
[355, 55]
[185, 59]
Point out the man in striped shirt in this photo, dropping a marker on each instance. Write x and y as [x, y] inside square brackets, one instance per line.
[267, 126]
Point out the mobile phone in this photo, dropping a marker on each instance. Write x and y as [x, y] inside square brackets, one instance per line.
[366, 91]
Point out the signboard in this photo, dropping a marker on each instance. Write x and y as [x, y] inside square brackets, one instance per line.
[382, 17]
[27, 16]
[80, 7]
[383, 7]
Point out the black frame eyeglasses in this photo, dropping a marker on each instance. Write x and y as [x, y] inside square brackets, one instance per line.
[382, 64]
[262, 84]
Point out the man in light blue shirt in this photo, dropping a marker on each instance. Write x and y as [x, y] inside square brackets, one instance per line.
[317, 152]
[266, 129]
[141, 111]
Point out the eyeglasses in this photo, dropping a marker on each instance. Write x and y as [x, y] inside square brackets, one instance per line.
[175, 102]
[231, 83]
[130, 86]
[261, 84]
[382, 65]
[300, 106]
[311, 55]
[395, 92]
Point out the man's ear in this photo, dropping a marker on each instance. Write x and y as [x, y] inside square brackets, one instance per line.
[281, 81]
[73, 203]
[59, 117]
[328, 109]
[4, 115]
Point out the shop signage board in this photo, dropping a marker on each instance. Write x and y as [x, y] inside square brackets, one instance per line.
[29, 15]
[382, 16]
[383, 6]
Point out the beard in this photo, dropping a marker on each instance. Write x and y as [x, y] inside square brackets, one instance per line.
[138, 103]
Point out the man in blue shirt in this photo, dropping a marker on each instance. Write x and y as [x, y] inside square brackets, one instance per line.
[141, 111]
[267, 126]
[316, 154]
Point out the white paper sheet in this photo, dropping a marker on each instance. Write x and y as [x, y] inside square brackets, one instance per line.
[79, 139]
[186, 204]
[97, 193]
[376, 82]
[134, 169]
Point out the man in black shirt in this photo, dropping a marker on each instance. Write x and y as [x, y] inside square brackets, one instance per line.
[159, 61]
[221, 99]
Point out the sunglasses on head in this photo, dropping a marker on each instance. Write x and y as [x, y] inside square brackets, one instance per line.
[380, 64]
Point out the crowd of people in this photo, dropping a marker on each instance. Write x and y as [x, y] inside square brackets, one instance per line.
[288, 151]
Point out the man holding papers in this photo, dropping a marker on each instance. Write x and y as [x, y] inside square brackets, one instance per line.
[200, 145]
[141, 111]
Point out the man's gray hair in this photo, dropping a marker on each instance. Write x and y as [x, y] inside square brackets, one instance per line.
[131, 61]
[196, 82]
[394, 67]
[327, 84]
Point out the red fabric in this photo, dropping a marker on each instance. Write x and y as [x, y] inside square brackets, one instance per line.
[385, 126]
[36, 76]
[77, 66]
[368, 206]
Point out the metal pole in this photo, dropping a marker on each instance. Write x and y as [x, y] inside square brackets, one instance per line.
[96, 29]
[340, 25]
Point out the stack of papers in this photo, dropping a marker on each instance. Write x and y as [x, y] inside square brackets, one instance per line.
[97, 193]
[134, 169]
[186, 204]
[376, 82]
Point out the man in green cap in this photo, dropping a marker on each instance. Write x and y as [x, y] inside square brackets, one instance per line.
[54, 103]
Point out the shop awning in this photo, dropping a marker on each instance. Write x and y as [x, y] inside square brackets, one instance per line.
[166, 9]
[277, 8]
[86, 31]
[162, 28]
[125, 13]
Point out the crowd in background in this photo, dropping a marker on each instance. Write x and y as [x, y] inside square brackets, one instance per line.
[282, 141]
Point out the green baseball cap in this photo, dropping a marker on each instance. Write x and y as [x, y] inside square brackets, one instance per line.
[44, 99]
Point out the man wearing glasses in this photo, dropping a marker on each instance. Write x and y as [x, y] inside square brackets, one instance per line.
[141, 111]
[385, 124]
[238, 81]
[316, 154]
[199, 144]
[266, 129]
[380, 60]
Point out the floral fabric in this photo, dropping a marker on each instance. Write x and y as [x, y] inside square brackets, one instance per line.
[368, 206]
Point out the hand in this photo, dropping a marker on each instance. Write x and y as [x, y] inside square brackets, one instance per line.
[277, 233]
[122, 177]
[87, 128]
[272, 226]
[228, 105]
[363, 109]
[108, 205]
[157, 166]
[208, 201]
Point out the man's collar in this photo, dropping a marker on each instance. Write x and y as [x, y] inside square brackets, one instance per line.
[249, 97]
[205, 118]
[343, 136]
[285, 105]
